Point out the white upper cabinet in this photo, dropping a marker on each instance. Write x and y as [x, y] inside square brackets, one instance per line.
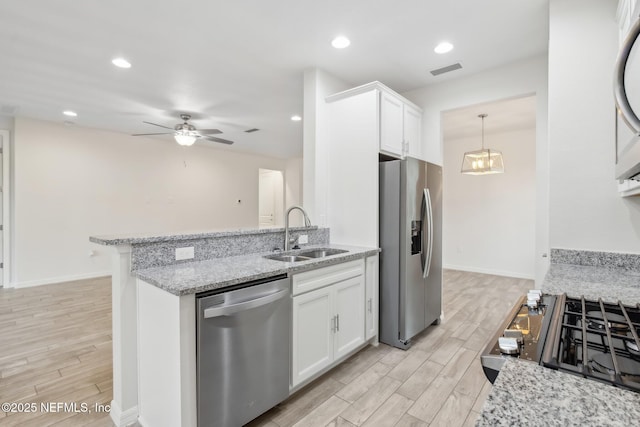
[399, 121]
[412, 132]
[391, 125]
[400, 124]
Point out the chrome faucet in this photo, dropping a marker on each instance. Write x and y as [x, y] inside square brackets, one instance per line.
[307, 223]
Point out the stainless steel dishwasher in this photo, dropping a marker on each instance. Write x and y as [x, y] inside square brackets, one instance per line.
[242, 351]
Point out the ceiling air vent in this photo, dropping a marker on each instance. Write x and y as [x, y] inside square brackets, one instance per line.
[446, 69]
[252, 130]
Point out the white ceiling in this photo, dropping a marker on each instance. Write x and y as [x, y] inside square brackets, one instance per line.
[239, 64]
[502, 116]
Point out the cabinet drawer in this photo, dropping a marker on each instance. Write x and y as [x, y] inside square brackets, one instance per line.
[315, 279]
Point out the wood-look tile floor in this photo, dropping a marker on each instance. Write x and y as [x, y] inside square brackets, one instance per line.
[437, 382]
[55, 346]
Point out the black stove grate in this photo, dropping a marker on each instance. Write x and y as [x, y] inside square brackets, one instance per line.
[595, 339]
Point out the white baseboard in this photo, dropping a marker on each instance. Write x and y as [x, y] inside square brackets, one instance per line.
[62, 279]
[123, 419]
[504, 273]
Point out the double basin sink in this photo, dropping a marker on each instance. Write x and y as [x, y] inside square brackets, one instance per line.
[306, 255]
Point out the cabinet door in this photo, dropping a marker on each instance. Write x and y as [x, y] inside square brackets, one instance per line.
[412, 125]
[371, 297]
[349, 308]
[391, 134]
[312, 341]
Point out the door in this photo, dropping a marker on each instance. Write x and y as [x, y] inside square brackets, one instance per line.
[349, 331]
[413, 180]
[5, 197]
[266, 199]
[270, 198]
[433, 291]
[391, 133]
[312, 341]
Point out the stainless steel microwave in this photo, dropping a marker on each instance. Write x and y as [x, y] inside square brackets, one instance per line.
[627, 97]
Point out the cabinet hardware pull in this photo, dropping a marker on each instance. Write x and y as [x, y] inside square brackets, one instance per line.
[337, 322]
[370, 306]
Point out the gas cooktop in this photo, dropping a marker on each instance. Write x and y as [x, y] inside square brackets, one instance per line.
[589, 338]
[596, 340]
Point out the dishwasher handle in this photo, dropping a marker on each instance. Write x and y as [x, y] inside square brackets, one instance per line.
[228, 310]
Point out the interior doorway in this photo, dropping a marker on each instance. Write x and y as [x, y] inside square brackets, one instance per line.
[490, 220]
[270, 198]
[5, 227]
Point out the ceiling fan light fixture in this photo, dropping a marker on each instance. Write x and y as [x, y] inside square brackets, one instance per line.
[185, 138]
[121, 63]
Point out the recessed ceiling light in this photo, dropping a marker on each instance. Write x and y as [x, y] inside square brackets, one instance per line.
[121, 63]
[443, 47]
[70, 113]
[340, 42]
[296, 118]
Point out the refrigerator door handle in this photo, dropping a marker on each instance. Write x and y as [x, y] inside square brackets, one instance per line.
[428, 221]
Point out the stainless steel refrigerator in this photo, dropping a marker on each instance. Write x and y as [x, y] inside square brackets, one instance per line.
[411, 243]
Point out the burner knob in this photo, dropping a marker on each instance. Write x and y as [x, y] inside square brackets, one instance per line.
[508, 345]
[514, 333]
[533, 298]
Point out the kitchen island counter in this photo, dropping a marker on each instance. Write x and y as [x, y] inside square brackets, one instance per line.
[526, 393]
[200, 276]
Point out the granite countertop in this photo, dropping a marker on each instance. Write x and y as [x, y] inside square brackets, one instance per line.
[610, 284]
[526, 394]
[137, 238]
[194, 277]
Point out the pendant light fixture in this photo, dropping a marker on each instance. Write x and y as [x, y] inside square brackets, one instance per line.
[483, 161]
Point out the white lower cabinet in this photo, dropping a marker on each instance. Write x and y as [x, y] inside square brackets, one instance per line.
[328, 322]
[312, 342]
[348, 328]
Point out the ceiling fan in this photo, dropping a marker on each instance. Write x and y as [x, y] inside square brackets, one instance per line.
[186, 133]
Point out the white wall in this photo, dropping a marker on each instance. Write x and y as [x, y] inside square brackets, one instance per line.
[293, 190]
[585, 210]
[72, 182]
[6, 122]
[489, 221]
[526, 77]
[318, 84]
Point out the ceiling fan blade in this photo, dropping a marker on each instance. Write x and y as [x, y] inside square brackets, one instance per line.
[209, 131]
[155, 124]
[145, 134]
[213, 138]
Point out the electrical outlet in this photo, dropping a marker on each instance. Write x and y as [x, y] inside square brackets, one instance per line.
[184, 253]
[303, 239]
